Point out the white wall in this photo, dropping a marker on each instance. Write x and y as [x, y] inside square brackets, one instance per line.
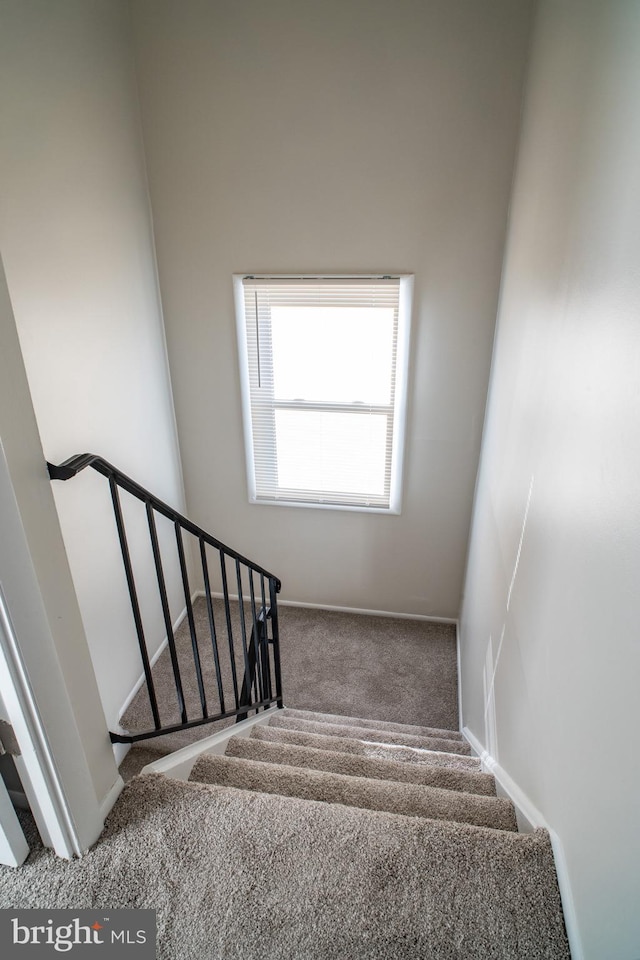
[336, 136]
[38, 590]
[75, 231]
[558, 597]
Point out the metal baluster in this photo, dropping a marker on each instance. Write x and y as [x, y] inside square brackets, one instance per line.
[135, 606]
[225, 594]
[264, 641]
[255, 640]
[212, 626]
[190, 618]
[247, 685]
[276, 640]
[166, 613]
[266, 658]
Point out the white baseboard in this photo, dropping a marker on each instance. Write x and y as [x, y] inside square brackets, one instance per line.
[178, 764]
[367, 613]
[141, 679]
[527, 811]
[111, 797]
[459, 668]
[120, 750]
[357, 610]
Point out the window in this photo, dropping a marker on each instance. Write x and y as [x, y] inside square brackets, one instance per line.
[323, 368]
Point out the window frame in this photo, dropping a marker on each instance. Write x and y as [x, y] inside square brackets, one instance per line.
[396, 410]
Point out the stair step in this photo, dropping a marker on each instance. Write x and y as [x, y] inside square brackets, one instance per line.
[385, 725]
[357, 766]
[275, 876]
[362, 748]
[282, 721]
[407, 799]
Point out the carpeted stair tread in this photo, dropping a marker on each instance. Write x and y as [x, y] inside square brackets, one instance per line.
[408, 799]
[372, 735]
[454, 761]
[352, 765]
[324, 880]
[385, 725]
[246, 875]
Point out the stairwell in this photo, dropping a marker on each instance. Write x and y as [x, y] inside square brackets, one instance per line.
[291, 834]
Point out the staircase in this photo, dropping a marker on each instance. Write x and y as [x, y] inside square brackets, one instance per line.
[370, 839]
[293, 834]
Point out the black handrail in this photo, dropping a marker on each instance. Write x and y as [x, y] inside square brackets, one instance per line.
[71, 467]
[259, 689]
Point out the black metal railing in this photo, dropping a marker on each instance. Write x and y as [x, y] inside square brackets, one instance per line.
[240, 638]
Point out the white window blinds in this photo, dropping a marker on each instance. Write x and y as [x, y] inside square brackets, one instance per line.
[323, 370]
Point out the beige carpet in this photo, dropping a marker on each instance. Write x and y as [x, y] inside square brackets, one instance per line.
[389, 727]
[339, 857]
[366, 793]
[283, 721]
[360, 748]
[376, 667]
[250, 748]
[237, 875]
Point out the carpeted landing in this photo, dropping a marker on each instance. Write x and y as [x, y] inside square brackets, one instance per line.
[383, 667]
[377, 849]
